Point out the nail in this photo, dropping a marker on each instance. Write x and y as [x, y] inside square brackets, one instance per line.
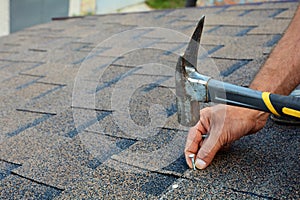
[204, 136]
[192, 157]
[200, 164]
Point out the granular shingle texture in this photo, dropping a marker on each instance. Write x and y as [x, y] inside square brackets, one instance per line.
[88, 107]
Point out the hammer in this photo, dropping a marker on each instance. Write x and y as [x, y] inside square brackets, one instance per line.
[193, 87]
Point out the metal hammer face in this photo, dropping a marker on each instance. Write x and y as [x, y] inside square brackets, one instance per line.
[188, 96]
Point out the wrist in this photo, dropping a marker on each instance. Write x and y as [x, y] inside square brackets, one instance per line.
[259, 117]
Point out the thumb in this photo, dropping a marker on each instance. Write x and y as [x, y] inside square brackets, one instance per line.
[207, 151]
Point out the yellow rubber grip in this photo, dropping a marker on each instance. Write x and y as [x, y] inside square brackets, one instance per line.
[266, 98]
[291, 112]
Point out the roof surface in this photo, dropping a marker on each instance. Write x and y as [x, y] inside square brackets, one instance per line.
[88, 107]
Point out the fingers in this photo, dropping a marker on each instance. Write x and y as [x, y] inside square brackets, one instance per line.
[204, 150]
[212, 144]
[213, 120]
[193, 142]
[207, 152]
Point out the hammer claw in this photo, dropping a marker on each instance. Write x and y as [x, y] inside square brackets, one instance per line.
[191, 52]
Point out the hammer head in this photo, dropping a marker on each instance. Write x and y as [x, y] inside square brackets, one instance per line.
[188, 90]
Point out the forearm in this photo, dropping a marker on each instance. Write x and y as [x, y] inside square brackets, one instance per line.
[281, 72]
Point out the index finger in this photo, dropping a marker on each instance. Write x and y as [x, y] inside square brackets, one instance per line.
[193, 141]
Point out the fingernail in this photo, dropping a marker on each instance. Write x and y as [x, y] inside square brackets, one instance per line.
[200, 164]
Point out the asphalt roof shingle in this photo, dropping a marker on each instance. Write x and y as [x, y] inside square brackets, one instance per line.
[88, 107]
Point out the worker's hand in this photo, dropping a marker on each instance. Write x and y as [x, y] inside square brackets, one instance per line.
[224, 124]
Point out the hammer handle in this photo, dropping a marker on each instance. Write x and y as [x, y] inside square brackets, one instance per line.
[226, 93]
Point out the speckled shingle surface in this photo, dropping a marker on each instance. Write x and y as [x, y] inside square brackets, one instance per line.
[88, 107]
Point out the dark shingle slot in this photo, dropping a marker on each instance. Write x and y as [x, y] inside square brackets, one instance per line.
[273, 41]
[29, 125]
[245, 13]
[48, 92]
[245, 31]
[38, 50]
[115, 80]
[251, 193]
[234, 67]
[214, 28]
[214, 49]
[25, 85]
[277, 12]
[6, 168]
[82, 127]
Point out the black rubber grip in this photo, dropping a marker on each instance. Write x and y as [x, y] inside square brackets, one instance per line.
[280, 103]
